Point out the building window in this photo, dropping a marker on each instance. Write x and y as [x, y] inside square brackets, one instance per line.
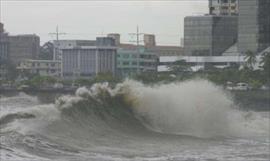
[126, 56]
[125, 63]
[134, 63]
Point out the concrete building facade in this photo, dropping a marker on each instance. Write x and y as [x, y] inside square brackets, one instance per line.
[23, 47]
[87, 59]
[4, 44]
[40, 67]
[223, 7]
[209, 35]
[116, 37]
[254, 25]
[4, 52]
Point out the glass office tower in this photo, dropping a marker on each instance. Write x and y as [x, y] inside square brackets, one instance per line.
[253, 25]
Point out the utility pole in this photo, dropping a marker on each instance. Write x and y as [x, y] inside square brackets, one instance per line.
[56, 47]
[137, 34]
[57, 34]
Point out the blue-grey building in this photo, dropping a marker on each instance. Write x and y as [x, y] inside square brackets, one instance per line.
[209, 35]
[86, 58]
[254, 25]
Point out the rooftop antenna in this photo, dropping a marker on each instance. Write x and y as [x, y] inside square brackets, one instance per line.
[56, 33]
[56, 47]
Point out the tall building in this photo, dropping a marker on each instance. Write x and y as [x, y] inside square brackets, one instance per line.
[4, 52]
[86, 58]
[23, 47]
[4, 44]
[254, 25]
[209, 35]
[149, 40]
[223, 7]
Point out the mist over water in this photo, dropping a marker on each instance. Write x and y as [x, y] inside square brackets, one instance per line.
[133, 121]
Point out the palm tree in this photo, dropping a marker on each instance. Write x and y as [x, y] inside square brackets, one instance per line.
[250, 59]
[265, 62]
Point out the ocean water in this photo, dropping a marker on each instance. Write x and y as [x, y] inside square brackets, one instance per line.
[188, 121]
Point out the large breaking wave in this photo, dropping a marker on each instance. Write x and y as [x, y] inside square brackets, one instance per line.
[105, 118]
[196, 108]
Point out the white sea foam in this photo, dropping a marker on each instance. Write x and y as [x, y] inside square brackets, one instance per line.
[196, 107]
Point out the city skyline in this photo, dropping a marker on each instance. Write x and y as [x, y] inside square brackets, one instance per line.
[90, 19]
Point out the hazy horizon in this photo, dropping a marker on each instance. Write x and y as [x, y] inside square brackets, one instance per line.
[89, 19]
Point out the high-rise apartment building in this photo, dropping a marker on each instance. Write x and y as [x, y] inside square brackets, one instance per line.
[253, 25]
[223, 7]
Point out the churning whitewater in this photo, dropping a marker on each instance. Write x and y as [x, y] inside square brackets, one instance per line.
[191, 120]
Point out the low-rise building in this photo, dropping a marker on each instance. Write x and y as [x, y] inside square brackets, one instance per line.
[40, 67]
[132, 60]
[161, 50]
[201, 62]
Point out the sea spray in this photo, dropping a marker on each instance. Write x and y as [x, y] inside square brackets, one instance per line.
[195, 107]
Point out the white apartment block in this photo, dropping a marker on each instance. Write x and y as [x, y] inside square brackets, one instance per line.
[40, 67]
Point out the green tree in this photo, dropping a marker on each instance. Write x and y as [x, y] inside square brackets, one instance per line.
[39, 81]
[180, 66]
[46, 51]
[106, 77]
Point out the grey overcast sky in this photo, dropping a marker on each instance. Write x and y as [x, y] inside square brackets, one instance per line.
[88, 19]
